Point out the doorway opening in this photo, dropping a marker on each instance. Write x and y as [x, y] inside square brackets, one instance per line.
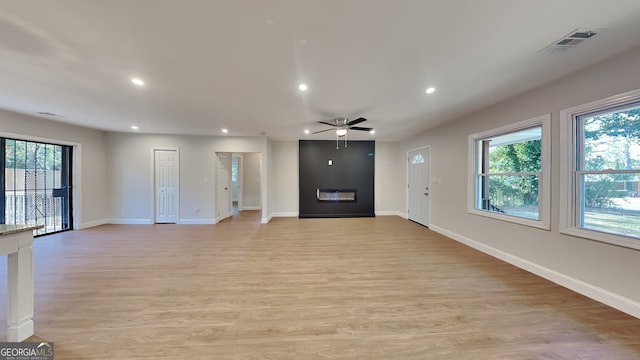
[236, 183]
[238, 187]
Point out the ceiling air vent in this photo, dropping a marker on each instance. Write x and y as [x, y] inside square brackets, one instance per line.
[46, 113]
[572, 39]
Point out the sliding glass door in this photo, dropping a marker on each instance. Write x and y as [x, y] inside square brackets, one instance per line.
[35, 184]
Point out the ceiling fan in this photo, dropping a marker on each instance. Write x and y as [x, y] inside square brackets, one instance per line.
[342, 126]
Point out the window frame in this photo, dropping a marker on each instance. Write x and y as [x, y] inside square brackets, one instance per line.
[544, 183]
[569, 152]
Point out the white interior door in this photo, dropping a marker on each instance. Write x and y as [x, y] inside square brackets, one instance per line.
[166, 184]
[419, 186]
[223, 202]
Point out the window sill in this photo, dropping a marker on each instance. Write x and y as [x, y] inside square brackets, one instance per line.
[512, 219]
[617, 240]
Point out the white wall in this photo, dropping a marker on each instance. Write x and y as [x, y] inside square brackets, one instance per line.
[284, 174]
[251, 180]
[131, 174]
[389, 186]
[268, 162]
[91, 186]
[602, 271]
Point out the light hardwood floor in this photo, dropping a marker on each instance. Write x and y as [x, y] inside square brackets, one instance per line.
[367, 288]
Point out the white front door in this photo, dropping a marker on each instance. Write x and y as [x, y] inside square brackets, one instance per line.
[166, 174]
[419, 186]
[223, 202]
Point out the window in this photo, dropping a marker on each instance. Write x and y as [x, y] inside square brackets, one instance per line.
[509, 173]
[417, 159]
[601, 170]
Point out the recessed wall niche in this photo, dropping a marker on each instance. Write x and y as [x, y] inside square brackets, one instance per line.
[336, 182]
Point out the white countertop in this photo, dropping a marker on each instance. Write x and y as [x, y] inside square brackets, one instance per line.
[14, 229]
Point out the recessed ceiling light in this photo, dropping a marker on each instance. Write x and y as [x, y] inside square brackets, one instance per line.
[137, 81]
[269, 22]
[225, 131]
[372, 131]
[306, 131]
[134, 127]
[303, 87]
[431, 90]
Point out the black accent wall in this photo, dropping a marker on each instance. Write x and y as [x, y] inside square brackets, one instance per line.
[352, 168]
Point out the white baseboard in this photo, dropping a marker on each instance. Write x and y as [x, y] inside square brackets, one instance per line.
[217, 220]
[266, 220]
[94, 223]
[389, 213]
[606, 297]
[131, 221]
[196, 221]
[250, 208]
[285, 214]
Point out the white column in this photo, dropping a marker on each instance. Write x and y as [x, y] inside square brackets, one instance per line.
[20, 283]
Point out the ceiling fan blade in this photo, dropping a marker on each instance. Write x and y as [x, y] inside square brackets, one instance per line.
[317, 132]
[360, 128]
[356, 121]
[326, 123]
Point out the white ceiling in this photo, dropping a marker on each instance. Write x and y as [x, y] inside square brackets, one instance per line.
[236, 64]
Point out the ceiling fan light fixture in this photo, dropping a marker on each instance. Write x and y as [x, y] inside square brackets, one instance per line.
[341, 132]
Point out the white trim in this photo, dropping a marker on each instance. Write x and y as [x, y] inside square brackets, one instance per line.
[591, 291]
[264, 190]
[389, 213]
[131, 221]
[76, 183]
[94, 223]
[37, 139]
[218, 219]
[196, 221]
[545, 178]
[512, 219]
[266, 220]
[284, 214]
[153, 182]
[568, 140]
[254, 207]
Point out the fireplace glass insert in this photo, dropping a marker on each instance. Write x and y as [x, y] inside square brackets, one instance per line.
[334, 195]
